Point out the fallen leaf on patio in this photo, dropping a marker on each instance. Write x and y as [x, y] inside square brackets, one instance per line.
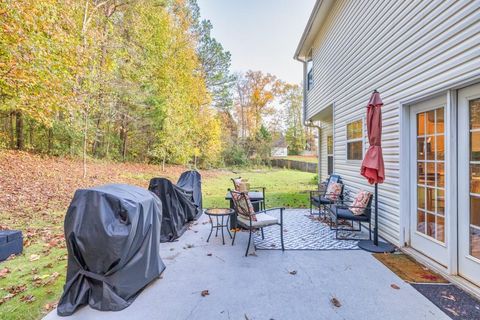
[34, 257]
[3, 272]
[28, 298]
[336, 302]
[449, 297]
[294, 272]
[209, 254]
[455, 313]
[205, 293]
[273, 245]
[171, 249]
[246, 317]
[254, 254]
[394, 286]
[50, 306]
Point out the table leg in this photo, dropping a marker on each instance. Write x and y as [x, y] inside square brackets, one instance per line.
[223, 238]
[216, 231]
[228, 226]
[211, 228]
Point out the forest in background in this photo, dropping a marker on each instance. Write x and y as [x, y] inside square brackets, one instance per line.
[135, 80]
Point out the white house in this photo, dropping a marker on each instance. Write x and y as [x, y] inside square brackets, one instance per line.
[424, 59]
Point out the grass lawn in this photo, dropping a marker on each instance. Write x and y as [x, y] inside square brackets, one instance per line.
[31, 283]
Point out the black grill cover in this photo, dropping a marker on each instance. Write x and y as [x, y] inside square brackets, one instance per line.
[113, 242]
[178, 208]
[191, 181]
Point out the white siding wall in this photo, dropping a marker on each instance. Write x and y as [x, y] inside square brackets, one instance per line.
[404, 49]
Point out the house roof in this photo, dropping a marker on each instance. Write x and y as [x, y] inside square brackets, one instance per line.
[315, 22]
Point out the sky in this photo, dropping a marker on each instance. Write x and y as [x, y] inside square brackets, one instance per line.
[260, 34]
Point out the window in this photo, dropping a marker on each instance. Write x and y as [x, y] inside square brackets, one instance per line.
[309, 71]
[329, 155]
[355, 140]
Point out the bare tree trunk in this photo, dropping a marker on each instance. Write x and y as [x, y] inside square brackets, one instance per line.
[85, 132]
[19, 131]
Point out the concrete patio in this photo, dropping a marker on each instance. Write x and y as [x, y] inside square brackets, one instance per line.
[261, 286]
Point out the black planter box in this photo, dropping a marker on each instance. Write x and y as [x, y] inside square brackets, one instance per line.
[11, 242]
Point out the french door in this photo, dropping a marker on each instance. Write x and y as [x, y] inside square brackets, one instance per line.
[427, 175]
[469, 183]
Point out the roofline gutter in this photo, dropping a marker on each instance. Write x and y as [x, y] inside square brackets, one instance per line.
[307, 29]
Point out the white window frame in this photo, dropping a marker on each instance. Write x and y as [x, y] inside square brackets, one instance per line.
[330, 154]
[361, 139]
[309, 78]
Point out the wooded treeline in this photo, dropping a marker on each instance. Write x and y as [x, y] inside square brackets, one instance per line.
[137, 80]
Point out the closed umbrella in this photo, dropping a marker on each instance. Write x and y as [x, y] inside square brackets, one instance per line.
[373, 168]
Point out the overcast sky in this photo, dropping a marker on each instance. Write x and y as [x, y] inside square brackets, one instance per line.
[260, 34]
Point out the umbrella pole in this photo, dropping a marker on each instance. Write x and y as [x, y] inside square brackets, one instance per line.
[375, 231]
[375, 245]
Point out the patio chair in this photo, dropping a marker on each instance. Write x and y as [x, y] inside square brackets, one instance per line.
[348, 210]
[248, 219]
[319, 198]
[260, 203]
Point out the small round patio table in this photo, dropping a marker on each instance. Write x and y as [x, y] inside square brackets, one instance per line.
[219, 214]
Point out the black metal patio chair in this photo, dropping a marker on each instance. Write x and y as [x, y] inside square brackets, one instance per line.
[342, 210]
[248, 219]
[319, 198]
[260, 203]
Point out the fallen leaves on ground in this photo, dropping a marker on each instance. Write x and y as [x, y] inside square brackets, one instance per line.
[3, 272]
[394, 286]
[293, 272]
[27, 298]
[50, 306]
[209, 254]
[335, 302]
[34, 257]
[204, 293]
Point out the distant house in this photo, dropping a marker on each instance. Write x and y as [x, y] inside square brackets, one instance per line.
[279, 147]
[424, 59]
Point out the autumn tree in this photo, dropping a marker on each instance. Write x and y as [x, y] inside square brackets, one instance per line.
[292, 100]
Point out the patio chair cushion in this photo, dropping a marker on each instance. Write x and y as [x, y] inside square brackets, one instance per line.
[333, 191]
[244, 205]
[263, 220]
[345, 213]
[240, 185]
[361, 200]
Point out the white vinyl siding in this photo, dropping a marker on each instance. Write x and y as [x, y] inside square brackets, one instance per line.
[403, 49]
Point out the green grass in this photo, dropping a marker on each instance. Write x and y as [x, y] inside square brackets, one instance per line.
[44, 278]
[286, 188]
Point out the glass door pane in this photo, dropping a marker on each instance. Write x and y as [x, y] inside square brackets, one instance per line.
[431, 174]
[474, 119]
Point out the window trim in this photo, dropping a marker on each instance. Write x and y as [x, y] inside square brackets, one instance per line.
[361, 139]
[309, 73]
[330, 136]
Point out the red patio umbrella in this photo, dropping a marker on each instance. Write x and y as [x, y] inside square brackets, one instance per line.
[372, 166]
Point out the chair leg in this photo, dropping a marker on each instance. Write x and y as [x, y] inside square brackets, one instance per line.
[311, 207]
[281, 237]
[370, 230]
[263, 236]
[234, 234]
[249, 239]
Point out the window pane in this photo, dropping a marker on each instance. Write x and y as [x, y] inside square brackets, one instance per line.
[421, 197]
[430, 125]
[475, 146]
[441, 201]
[354, 151]
[330, 165]
[475, 178]
[475, 114]
[440, 123]
[475, 242]
[431, 173]
[440, 175]
[440, 229]
[421, 172]
[440, 147]
[420, 124]
[421, 148]
[354, 130]
[475, 211]
[430, 147]
[431, 199]
[431, 225]
[330, 145]
[421, 221]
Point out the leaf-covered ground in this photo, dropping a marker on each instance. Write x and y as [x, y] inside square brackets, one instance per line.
[35, 192]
